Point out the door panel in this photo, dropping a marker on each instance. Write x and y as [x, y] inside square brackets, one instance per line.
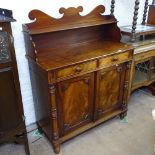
[9, 112]
[76, 101]
[109, 90]
[141, 72]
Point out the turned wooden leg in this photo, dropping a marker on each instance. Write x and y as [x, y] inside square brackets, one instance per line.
[56, 146]
[55, 131]
[152, 88]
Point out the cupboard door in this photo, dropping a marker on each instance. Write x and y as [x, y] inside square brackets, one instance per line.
[141, 72]
[109, 90]
[75, 102]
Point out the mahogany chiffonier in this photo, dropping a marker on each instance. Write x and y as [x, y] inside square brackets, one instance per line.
[12, 120]
[80, 72]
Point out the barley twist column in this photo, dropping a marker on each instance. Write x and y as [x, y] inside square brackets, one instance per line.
[135, 17]
[145, 11]
[112, 7]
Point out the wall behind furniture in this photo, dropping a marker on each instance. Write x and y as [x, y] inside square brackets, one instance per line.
[123, 12]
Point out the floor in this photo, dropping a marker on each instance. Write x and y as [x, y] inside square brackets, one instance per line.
[136, 136]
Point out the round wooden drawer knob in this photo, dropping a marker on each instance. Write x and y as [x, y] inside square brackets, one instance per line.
[78, 69]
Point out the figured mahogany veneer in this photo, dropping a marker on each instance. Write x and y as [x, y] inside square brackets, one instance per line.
[80, 72]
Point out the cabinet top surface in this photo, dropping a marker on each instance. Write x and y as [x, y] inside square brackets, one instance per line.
[54, 58]
[140, 30]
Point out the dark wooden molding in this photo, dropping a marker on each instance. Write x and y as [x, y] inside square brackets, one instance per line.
[6, 15]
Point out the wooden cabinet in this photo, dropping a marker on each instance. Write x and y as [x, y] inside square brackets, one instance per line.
[142, 37]
[12, 120]
[79, 71]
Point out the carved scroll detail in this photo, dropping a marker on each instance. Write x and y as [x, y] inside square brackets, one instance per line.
[71, 19]
[38, 15]
[71, 11]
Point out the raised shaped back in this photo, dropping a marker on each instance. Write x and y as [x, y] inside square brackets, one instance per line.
[49, 34]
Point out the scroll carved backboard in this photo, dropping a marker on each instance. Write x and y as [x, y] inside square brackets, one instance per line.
[71, 19]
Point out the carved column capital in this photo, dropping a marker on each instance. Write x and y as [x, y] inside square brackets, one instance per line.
[52, 89]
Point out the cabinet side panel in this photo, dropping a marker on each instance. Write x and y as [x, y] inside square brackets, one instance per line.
[9, 111]
[41, 99]
[29, 45]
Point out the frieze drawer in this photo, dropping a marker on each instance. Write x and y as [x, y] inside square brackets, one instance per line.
[114, 59]
[76, 69]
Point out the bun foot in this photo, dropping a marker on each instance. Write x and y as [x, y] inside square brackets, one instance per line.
[56, 147]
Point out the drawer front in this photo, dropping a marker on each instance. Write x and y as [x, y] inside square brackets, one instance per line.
[76, 69]
[115, 59]
[144, 55]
